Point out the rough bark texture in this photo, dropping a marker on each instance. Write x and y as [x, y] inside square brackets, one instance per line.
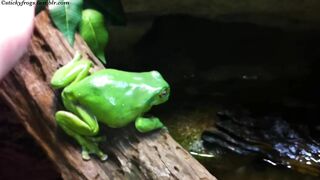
[131, 155]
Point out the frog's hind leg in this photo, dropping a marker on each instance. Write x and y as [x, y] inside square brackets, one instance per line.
[82, 131]
[148, 124]
[72, 72]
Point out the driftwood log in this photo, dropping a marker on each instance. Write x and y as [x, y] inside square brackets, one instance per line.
[132, 155]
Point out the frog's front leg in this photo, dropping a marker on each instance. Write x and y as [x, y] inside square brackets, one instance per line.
[148, 124]
[72, 72]
[82, 129]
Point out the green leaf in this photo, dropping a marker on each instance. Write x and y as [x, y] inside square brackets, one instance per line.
[111, 9]
[67, 17]
[93, 31]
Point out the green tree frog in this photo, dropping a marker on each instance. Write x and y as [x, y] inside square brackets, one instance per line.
[112, 97]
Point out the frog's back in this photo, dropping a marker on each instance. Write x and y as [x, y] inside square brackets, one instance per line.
[115, 97]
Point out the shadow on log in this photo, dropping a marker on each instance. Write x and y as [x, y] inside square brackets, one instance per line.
[132, 155]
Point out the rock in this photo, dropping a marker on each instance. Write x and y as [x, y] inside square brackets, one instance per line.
[268, 137]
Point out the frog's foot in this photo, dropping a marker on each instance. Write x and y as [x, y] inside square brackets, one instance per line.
[148, 124]
[83, 130]
[90, 146]
[72, 72]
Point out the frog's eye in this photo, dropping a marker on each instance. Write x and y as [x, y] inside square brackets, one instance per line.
[164, 93]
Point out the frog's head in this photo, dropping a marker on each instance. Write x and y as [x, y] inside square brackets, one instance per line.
[162, 92]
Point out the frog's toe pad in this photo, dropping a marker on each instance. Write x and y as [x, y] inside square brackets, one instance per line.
[85, 155]
[165, 129]
[103, 157]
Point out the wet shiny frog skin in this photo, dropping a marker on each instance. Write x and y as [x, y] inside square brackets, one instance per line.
[112, 97]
